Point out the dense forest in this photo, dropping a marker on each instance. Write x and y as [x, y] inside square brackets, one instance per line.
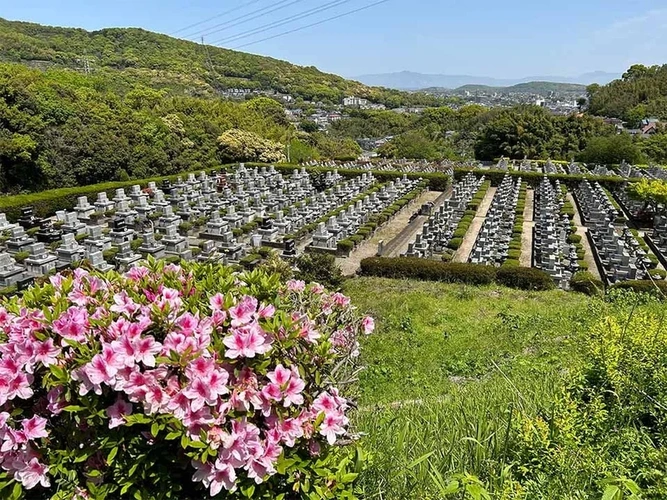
[640, 93]
[180, 66]
[63, 128]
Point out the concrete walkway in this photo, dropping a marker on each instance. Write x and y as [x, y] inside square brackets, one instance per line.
[399, 245]
[526, 259]
[464, 251]
[582, 231]
[388, 232]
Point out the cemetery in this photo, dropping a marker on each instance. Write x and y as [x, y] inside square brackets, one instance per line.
[487, 214]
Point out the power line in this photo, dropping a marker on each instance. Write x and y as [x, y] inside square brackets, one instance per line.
[217, 16]
[311, 25]
[281, 22]
[244, 18]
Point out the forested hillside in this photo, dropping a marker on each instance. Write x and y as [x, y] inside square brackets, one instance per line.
[180, 66]
[640, 93]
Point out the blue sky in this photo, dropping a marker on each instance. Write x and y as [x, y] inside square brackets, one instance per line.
[503, 39]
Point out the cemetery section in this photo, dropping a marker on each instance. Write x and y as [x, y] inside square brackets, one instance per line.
[559, 219]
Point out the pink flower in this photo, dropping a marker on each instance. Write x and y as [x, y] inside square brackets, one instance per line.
[19, 386]
[72, 324]
[34, 428]
[266, 311]
[32, 474]
[340, 300]
[223, 476]
[199, 392]
[296, 285]
[145, 350]
[287, 383]
[117, 413]
[368, 325]
[56, 401]
[137, 273]
[246, 343]
[124, 304]
[46, 352]
[217, 302]
[243, 312]
[103, 367]
[332, 426]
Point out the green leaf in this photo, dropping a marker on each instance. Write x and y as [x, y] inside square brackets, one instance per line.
[112, 454]
[155, 429]
[612, 492]
[73, 408]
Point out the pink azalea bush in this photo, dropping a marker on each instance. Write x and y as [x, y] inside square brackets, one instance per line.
[177, 382]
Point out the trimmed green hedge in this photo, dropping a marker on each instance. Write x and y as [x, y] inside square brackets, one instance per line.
[657, 288]
[585, 282]
[429, 270]
[510, 275]
[47, 203]
[534, 178]
[524, 278]
[436, 181]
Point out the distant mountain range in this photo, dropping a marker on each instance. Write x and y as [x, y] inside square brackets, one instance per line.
[408, 80]
[539, 88]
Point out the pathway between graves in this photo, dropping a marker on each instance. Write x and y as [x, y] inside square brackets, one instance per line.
[526, 259]
[581, 231]
[399, 245]
[463, 253]
[388, 232]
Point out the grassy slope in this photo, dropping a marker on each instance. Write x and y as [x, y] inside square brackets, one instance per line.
[446, 366]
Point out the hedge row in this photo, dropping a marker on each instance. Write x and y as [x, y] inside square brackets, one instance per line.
[525, 278]
[514, 253]
[345, 245]
[534, 178]
[436, 181]
[47, 203]
[468, 216]
[642, 243]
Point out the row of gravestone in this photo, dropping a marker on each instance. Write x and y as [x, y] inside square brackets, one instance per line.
[551, 251]
[438, 231]
[120, 234]
[617, 252]
[492, 244]
[327, 235]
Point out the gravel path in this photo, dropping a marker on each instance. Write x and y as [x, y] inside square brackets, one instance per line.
[463, 253]
[581, 231]
[388, 232]
[526, 258]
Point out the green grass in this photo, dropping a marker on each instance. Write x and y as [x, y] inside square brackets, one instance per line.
[448, 368]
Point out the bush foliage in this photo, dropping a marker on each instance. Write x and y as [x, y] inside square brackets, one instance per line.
[170, 381]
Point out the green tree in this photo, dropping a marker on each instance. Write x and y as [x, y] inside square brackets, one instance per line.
[611, 150]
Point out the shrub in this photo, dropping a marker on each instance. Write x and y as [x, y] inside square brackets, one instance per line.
[185, 381]
[455, 243]
[585, 282]
[430, 270]
[658, 274]
[460, 233]
[320, 268]
[514, 254]
[185, 227]
[657, 288]
[574, 238]
[524, 278]
[19, 257]
[345, 245]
